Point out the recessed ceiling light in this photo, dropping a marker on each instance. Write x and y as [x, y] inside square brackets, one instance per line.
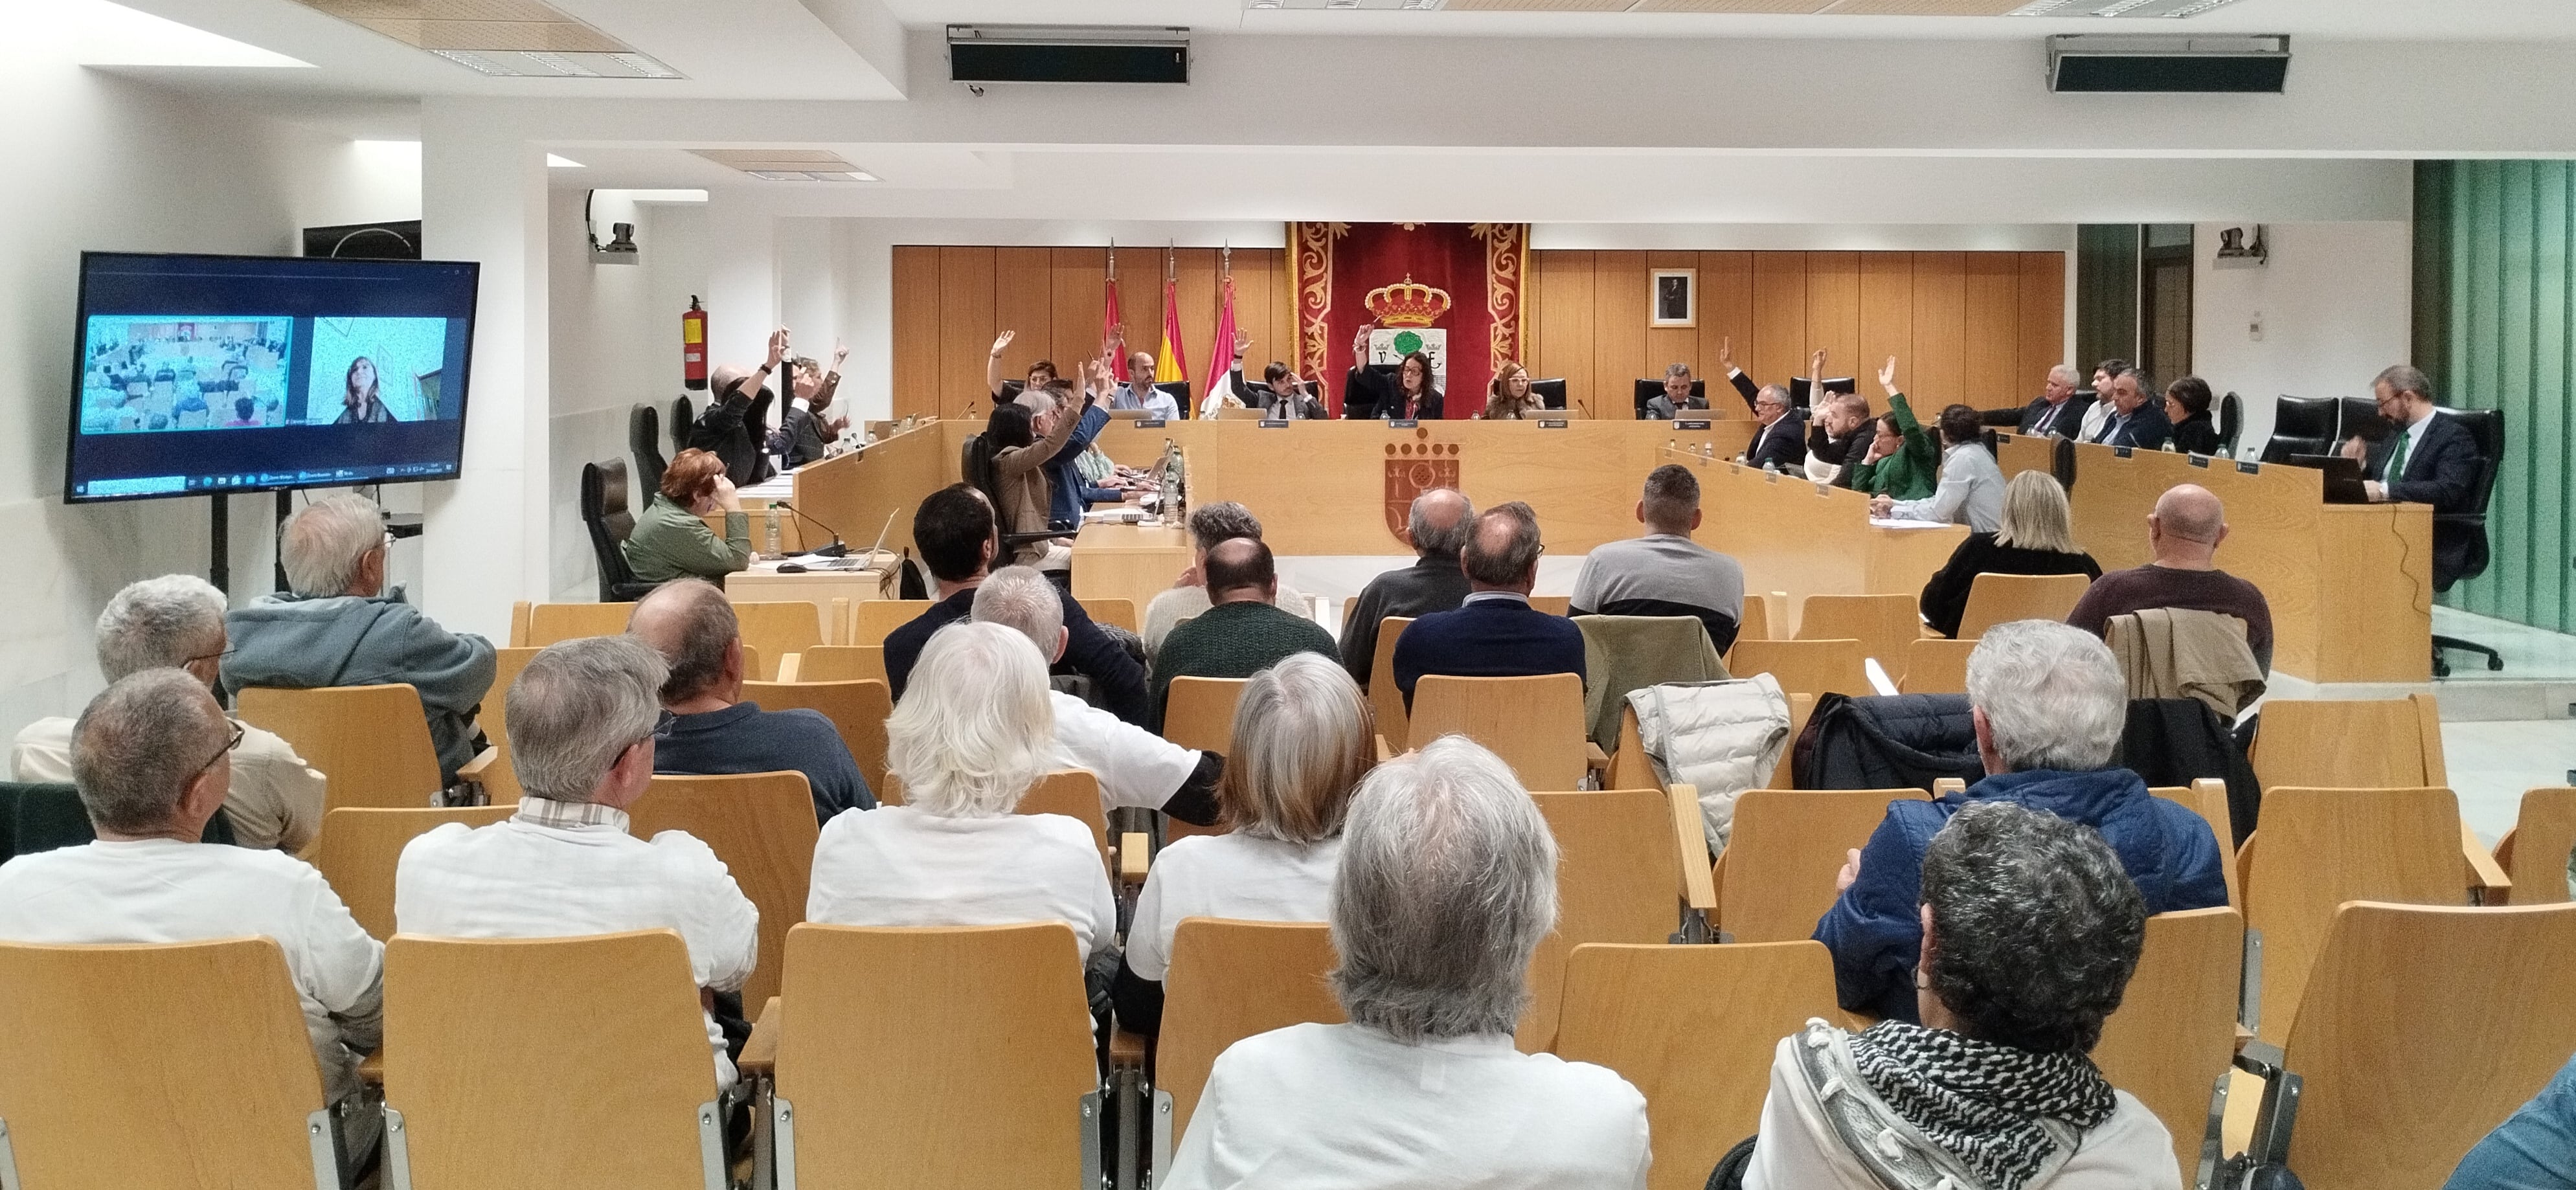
[556, 161]
[861, 175]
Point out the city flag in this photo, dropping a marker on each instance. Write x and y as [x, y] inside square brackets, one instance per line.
[1109, 331]
[1224, 351]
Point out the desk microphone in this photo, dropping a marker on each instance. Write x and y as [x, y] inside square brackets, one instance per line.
[834, 550]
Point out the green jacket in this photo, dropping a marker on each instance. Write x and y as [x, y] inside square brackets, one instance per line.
[1232, 640]
[1909, 474]
[671, 542]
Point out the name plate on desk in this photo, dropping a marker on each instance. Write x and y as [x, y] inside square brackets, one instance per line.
[1696, 424]
[1269, 423]
[2254, 468]
[1403, 423]
[1551, 423]
[1149, 423]
[2122, 452]
[2201, 461]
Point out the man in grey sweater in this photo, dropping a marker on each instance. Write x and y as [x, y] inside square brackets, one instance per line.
[339, 627]
[1665, 573]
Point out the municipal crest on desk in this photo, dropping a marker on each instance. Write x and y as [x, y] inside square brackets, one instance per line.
[1413, 468]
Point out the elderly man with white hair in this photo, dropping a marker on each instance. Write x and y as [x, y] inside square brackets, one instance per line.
[564, 865]
[177, 621]
[1135, 766]
[149, 756]
[2050, 706]
[339, 626]
[1447, 883]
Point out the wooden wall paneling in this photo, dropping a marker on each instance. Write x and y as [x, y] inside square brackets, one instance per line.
[915, 278]
[1833, 312]
[1619, 306]
[1993, 309]
[1255, 302]
[1561, 309]
[1779, 318]
[1197, 295]
[1024, 303]
[1886, 321]
[1140, 298]
[2042, 322]
[1725, 322]
[1936, 374]
[1668, 345]
[966, 330]
[1076, 300]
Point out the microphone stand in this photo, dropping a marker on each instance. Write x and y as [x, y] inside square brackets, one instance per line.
[835, 550]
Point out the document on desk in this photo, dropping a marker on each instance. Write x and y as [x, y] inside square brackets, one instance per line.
[1900, 523]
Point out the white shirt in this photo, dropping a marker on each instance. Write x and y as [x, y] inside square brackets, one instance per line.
[904, 866]
[1135, 767]
[1233, 875]
[276, 799]
[1324, 1107]
[1154, 401]
[520, 878]
[160, 890]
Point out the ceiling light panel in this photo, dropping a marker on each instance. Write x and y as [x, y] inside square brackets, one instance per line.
[789, 165]
[500, 38]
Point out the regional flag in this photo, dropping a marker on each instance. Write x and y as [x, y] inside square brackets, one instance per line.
[1224, 351]
[1109, 326]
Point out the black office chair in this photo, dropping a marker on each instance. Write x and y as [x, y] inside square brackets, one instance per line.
[604, 512]
[1011, 390]
[2301, 426]
[684, 414]
[1648, 390]
[1550, 392]
[2486, 427]
[1179, 391]
[2231, 422]
[644, 438]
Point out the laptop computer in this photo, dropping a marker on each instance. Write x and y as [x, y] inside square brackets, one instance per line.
[2343, 477]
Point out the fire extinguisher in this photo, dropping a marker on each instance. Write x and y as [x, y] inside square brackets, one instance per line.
[693, 345]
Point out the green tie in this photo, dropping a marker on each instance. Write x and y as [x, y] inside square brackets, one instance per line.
[2397, 459]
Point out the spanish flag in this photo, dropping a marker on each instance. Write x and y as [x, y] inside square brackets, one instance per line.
[1169, 364]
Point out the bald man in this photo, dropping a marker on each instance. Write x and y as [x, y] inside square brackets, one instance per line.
[1437, 529]
[2183, 532]
[1241, 633]
[710, 730]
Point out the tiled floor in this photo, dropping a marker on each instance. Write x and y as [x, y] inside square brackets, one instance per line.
[2530, 654]
[2492, 763]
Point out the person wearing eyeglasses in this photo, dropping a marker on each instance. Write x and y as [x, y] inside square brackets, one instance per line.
[177, 621]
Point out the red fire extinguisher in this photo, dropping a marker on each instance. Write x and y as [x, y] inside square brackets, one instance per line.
[693, 345]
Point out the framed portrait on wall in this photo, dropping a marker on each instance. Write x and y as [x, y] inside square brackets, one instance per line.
[1675, 298]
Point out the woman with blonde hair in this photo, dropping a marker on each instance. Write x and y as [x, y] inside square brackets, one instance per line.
[671, 539]
[2036, 537]
[1509, 397]
[1303, 738]
[972, 735]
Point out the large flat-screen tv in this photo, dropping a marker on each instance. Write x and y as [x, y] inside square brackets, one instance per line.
[203, 374]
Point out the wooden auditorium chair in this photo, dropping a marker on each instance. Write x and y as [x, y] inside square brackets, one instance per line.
[953, 1056]
[1934, 665]
[1693, 1028]
[1230, 980]
[2208, 798]
[1120, 612]
[835, 663]
[2392, 743]
[2003, 598]
[1534, 723]
[1075, 794]
[1616, 880]
[371, 743]
[762, 826]
[877, 617]
[1554, 605]
[358, 847]
[2175, 1031]
[483, 1094]
[775, 630]
[1755, 622]
[2534, 853]
[552, 623]
[1803, 666]
[1394, 722]
[1883, 624]
[1199, 712]
[858, 710]
[178, 1066]
[1775, 879]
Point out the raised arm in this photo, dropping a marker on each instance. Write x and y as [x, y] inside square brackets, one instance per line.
[993, 363]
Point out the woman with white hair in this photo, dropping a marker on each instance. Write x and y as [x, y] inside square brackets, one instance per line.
[970, 738]
[1303, 737]
[2030, 933]
[1446, 885]
[2036, 537]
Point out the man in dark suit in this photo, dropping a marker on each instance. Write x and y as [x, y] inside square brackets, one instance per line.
[2134, 420]
[1495, 633]
[2058, 409]
[2429, 460]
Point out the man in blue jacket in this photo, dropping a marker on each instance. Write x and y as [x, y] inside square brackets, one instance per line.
[2049, 704]
[1495, 633]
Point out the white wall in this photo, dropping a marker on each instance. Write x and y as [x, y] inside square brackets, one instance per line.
[2335, 304]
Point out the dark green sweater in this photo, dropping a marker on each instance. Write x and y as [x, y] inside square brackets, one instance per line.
[1232, 640]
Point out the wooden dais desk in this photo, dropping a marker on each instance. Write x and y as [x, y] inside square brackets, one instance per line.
[1132, 562]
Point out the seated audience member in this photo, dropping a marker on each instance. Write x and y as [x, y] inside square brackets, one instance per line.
[1665, 573]
[2030, 933]
[671, 541]
[1971, 489]
[1446, 884]
[1900, 462]
[710, 730]
[1282, 396]
[1437, 527]
[2183, 533]
[1495, 633]
[1677, 395]
[177, 622]
[2428, 460]
[970, 738]
[2194, 430]
[339, 626]
[2534, 1149]
[2058, 410]
[1303, 737]
[1135, 766]
[953, 529]
[2050, 706]
[2034, 537]
[1243, 634]
[581, 740]
[2134, 420]
[150, 757]
[1209, 524]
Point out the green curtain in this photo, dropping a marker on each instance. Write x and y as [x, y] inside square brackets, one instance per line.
[2495, 301]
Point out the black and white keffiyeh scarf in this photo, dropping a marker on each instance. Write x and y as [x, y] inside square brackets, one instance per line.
[2008, 1115]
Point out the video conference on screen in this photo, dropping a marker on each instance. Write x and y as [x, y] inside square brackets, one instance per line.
[153, 373]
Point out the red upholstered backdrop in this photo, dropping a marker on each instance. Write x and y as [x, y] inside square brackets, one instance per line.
[1481, 267]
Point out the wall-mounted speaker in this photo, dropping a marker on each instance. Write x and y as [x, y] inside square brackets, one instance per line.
[2193, 65]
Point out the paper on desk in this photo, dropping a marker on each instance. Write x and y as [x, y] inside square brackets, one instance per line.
[1899, 523]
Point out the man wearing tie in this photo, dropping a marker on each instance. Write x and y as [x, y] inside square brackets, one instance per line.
[2132, 421]
[2429, 460]
[2057, 410]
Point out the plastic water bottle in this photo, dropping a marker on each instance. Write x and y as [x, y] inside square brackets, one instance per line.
[773, 531]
